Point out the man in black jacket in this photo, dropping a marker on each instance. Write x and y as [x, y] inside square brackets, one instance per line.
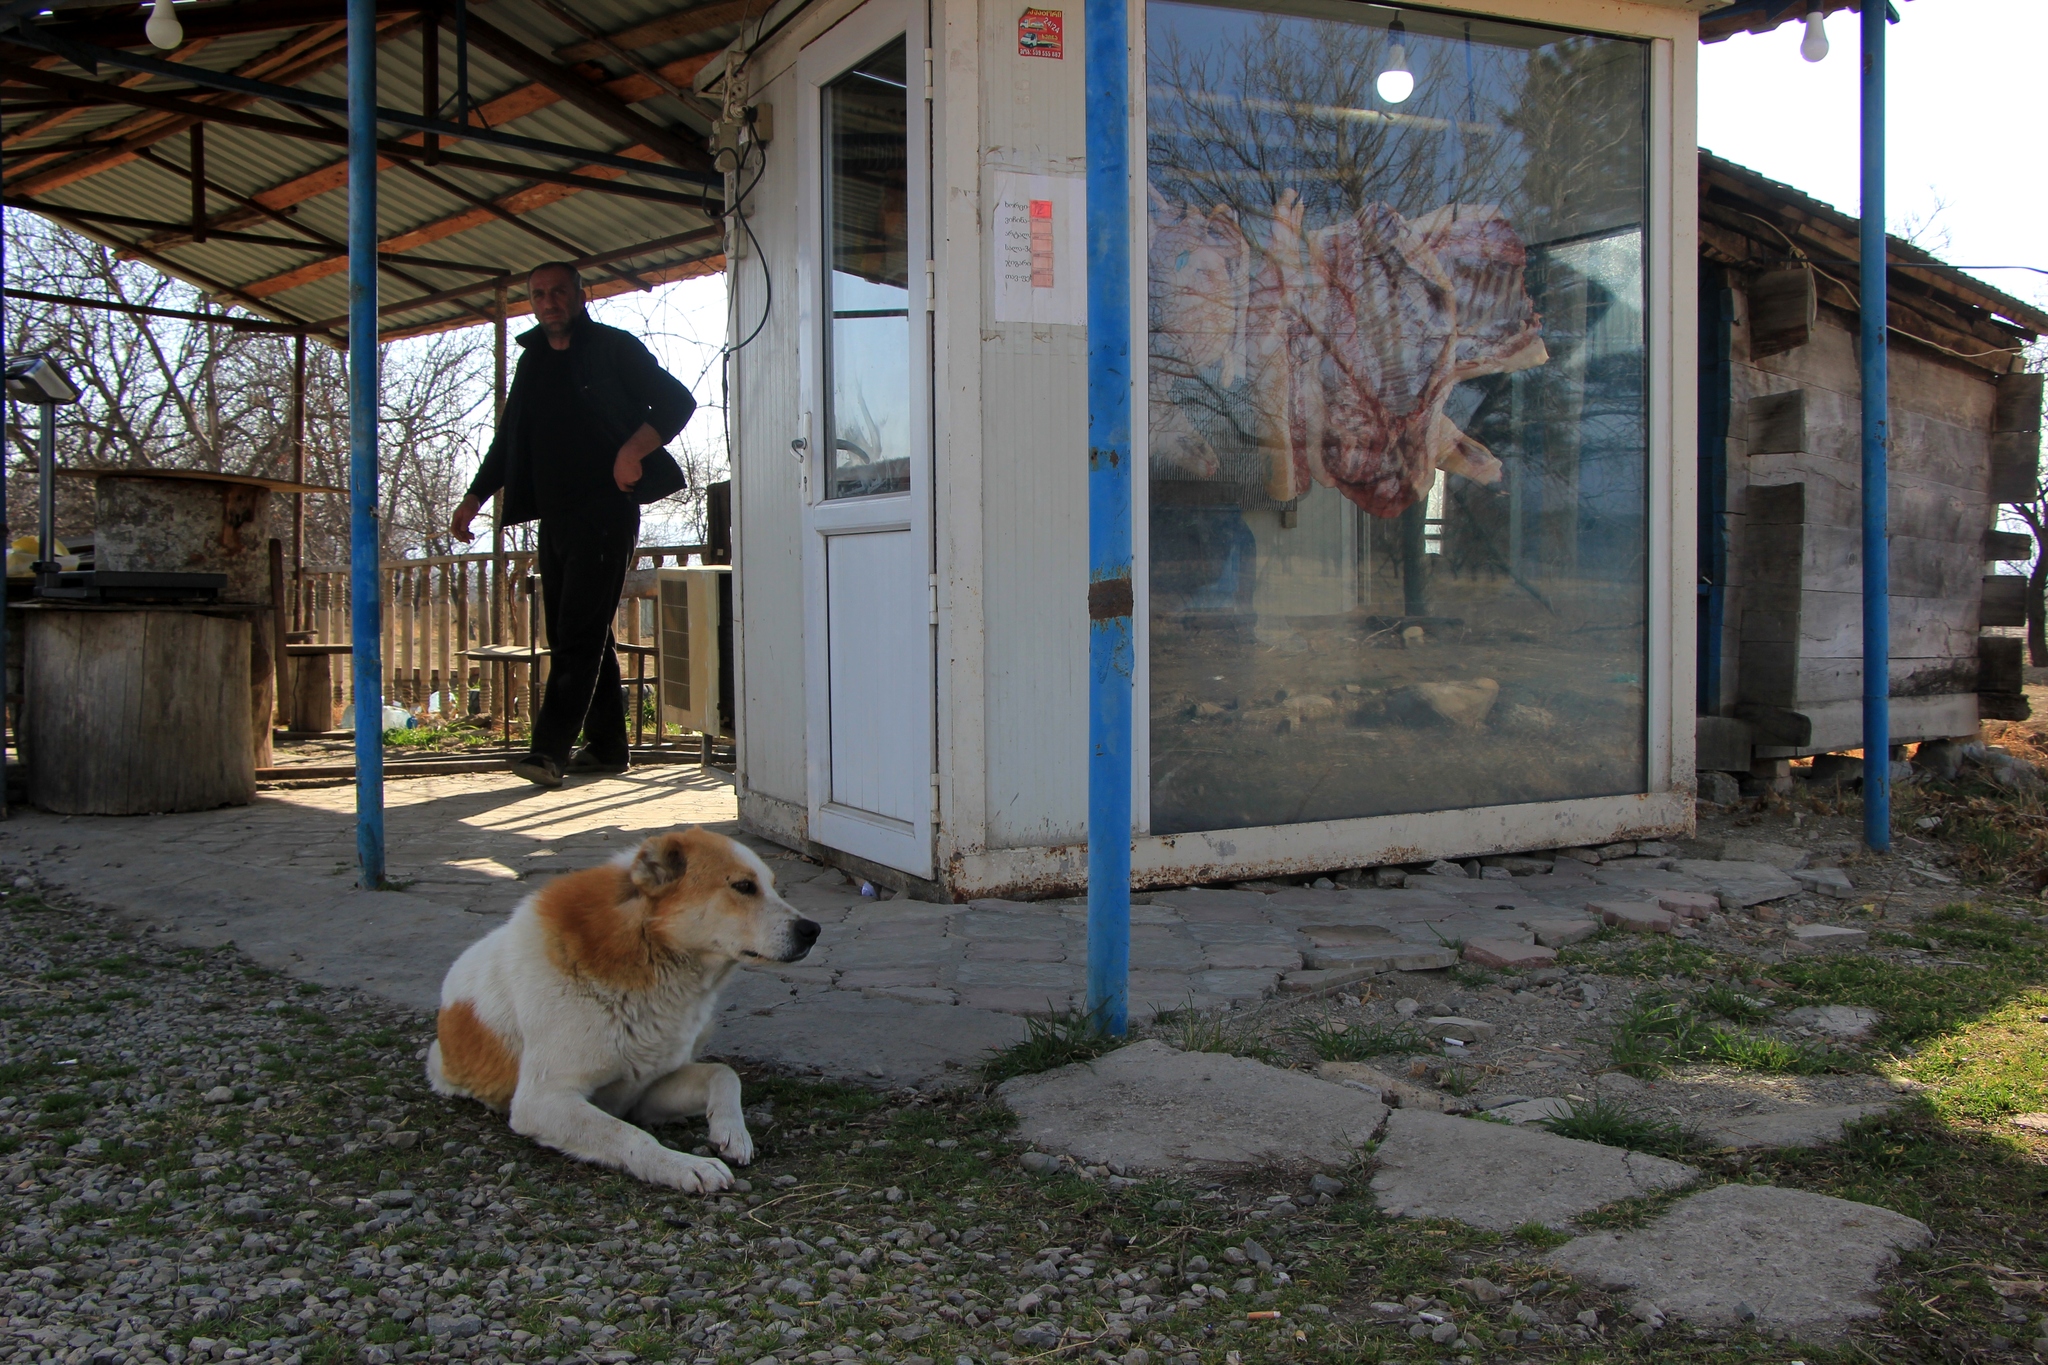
[589, 405]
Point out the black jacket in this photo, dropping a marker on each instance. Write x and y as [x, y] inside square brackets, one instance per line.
[622, 386]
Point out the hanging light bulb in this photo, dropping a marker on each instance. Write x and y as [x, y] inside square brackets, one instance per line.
[1396, 83]
[1814, 45]
[163, 29]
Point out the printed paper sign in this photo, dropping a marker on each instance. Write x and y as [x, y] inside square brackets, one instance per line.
[1038, 235]
[1042, 33]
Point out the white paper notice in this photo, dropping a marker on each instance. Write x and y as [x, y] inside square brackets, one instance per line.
[1039, 235]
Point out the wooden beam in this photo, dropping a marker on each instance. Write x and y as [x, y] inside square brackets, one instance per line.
[514, 104]
[57, 118]
[219, 288]
[668, 274]
[190, 112]
[685, 23]
[467, 291]
[296, 59]
[588, 95]
[123, 27]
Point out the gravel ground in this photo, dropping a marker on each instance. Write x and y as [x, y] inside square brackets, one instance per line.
[206, 1160]
[209, 1161]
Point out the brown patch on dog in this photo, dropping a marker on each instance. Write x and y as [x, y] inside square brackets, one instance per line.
[474, 1058]
[607, 924]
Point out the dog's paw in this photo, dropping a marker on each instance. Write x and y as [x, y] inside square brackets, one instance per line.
[732, 1140]
[690, 1174]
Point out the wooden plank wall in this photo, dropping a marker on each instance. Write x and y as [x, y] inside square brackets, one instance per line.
[1794, 631]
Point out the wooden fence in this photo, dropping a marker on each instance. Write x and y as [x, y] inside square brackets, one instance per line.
[437, 608]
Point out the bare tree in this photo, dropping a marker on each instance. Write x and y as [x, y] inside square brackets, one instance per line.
[159, 393]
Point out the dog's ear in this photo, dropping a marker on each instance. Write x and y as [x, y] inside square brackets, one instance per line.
[659, 864]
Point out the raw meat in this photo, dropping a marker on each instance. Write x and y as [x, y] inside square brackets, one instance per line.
[1499, 331]
[1386, 323]
[1353, 336]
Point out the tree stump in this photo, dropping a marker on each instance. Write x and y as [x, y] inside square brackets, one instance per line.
[137, 712]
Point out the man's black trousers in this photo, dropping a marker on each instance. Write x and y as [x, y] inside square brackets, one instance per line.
[583, 564]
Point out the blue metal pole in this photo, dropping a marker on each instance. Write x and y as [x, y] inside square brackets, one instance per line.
[366, 606]
[1877, 615]
[1110, 647]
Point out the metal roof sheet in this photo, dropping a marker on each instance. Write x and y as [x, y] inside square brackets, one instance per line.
[120, 173]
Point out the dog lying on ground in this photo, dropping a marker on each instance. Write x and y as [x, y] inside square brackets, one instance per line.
[580, 1015]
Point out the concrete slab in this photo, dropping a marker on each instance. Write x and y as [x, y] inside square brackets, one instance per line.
[1740, 883]
[1497, 1177]
[1533, 1111]
[1560, 932]
[1397, 957]
[1508, 955]
[1742, 848]
[1827, 936]
[1838, 1021]
[1783, 1261]
[1635, 917]
[1809, 1126]
[1825, 881]
[1147, 1107]
[873, 1041]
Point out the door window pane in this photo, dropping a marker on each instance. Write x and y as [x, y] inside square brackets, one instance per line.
[867, 290]
[1398, 448]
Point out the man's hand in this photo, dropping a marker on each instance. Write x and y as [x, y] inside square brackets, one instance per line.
[638, 446]
[626, 469]
[465, 512]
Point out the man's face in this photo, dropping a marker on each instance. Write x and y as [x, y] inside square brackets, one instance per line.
[556, 300]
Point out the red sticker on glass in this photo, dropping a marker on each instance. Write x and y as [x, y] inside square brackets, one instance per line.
[1042, 33]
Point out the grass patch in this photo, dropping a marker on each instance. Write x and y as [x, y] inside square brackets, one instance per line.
[1540, 1237]
[1334, 1041]
[1050, 1041]
[1649, 957]
[1733, 1005]
[1658, 1034]
[1193, 1030]
[1611, 1124]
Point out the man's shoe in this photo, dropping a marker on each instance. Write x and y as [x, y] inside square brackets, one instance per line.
[538, 769]
[583, 761]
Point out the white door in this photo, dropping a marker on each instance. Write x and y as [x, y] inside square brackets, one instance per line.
[866, 440]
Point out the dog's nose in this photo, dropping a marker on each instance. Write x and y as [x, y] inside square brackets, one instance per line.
[806, 933]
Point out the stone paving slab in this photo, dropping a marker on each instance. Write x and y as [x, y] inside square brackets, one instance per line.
[1497, 1178]
[869, 1039]
[1740, 884]
[1805, 1127]
[1784, 1261]
[1147, 1107]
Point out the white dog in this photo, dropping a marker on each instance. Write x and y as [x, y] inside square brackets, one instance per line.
[582, 1013]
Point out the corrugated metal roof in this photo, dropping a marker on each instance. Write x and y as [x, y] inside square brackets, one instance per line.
[120, 172]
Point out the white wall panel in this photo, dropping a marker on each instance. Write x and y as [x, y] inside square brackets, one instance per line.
[1034, 474]
[767, 490]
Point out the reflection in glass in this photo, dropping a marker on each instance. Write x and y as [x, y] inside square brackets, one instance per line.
[1396, 415]
[867, 292]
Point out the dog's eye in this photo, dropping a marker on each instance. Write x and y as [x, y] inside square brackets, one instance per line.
[746, 888]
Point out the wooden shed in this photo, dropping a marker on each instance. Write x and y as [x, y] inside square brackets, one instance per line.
[1780, 549]
[1416, 429]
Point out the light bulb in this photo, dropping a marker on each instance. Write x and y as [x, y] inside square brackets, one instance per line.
[163, 29]
[1396, 83]
[1814, 45]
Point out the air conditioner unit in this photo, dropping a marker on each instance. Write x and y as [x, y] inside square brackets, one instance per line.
[694, 609]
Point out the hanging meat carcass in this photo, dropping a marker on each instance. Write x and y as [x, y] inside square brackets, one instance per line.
[1499, 330]
[1354, 327]
[1357, 333]
[1198, 268]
